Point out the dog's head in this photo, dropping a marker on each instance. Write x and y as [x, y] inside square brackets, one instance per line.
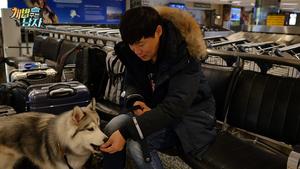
[86, 134]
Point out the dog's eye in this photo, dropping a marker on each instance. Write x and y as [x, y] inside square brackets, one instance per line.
[90, 129]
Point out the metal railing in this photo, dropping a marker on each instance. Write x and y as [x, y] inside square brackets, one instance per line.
[262, 63]
[71, 34]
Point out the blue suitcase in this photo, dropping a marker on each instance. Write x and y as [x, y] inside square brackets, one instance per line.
[56, 98]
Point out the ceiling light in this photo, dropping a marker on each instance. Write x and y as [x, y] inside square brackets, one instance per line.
[289, 4]
[236, 2]
[287, 8]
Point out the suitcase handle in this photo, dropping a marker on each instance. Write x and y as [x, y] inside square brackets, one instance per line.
[59, 85]
[36, 75]
[61, 92]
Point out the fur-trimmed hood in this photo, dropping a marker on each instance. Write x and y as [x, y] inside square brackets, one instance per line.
[188, 28]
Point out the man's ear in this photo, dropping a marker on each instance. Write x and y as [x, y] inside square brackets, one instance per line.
[158, 30]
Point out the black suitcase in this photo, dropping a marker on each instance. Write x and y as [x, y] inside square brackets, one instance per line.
[14, 94]
[6, 110]
[56, 98]
[89, 66]
[91, 70]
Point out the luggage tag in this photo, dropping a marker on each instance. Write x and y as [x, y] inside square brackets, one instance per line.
[28, 66]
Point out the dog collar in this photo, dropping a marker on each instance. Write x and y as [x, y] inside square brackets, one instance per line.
[66, 160]
[64, 155]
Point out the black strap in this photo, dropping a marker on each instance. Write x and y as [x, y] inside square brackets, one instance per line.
[66, 160]
[111, 70]
[2, 60]
[143, 142]
[229, 96]
[145, 150]
[61, 62]
[110, 65]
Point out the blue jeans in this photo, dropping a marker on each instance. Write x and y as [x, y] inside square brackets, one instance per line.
[160, 140]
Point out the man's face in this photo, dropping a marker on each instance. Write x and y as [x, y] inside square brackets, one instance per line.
[146, 48]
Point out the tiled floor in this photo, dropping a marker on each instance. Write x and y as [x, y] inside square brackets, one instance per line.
[173, 162]
[169, 162]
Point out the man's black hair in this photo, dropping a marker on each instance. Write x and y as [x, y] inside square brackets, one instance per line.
[139, 22]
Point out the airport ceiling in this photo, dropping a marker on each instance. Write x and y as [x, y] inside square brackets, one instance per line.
[287, 5]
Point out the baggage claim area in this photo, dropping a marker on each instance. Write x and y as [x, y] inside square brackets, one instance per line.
[56, 55]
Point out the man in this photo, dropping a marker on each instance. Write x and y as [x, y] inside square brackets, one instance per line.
[164, 83]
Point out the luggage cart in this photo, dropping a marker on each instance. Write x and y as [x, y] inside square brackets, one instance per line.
[214, 39]
[80, 31]
[66, 28]
[256, 48]
[231, 45]
[93, 32]
[292, 50]
[112, 33]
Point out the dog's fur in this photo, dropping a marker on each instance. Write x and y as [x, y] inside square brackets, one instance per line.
[51, 142]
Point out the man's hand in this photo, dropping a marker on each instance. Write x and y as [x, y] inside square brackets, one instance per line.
[114, 144]
[144, 108]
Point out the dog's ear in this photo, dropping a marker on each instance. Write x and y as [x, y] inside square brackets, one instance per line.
[77, 114]
[92, 105]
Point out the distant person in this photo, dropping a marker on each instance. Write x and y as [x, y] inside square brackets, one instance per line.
[49, 16]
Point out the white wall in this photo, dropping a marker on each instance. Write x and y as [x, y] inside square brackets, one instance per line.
[3, 4]
[11, 33]
[198, 13]
[157, 2]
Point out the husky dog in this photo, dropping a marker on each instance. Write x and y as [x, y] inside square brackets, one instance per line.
[65, 141]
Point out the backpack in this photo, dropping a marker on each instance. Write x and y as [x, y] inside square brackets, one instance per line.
[115, 70]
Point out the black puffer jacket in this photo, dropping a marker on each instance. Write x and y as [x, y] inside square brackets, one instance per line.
[181, 99]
